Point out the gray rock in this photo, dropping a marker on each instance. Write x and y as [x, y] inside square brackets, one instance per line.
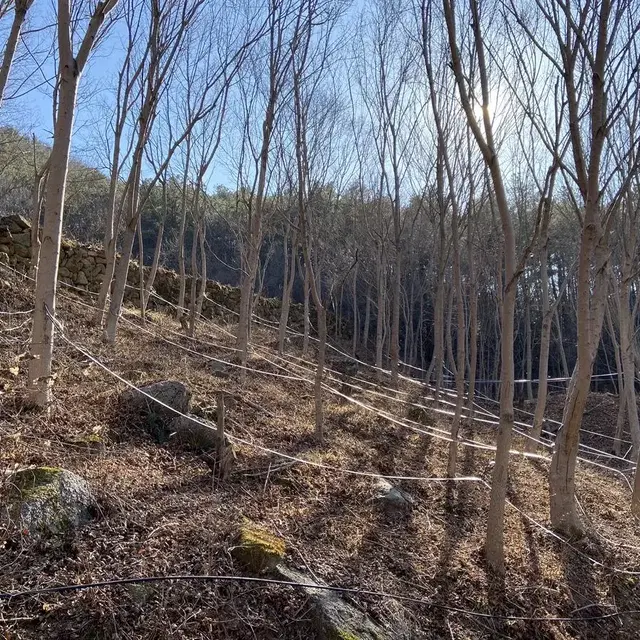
[15, 223]
[219, 369]
[334, 617]
[158, 419]
[22, 251]
[22, 238]
[49, 501]
[81, 279]
[191, 431]
[392, 499]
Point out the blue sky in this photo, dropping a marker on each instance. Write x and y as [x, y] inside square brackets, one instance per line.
[30, 111]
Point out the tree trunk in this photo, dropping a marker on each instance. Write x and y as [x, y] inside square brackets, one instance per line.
[528, 341]
[627, 331]
[182, 270]
[39, 182]
[563, 356]
[122, 268]
[287, 287]
[438, 320]
[380, 316]
[545, 339]
[158, 248]
[367, 320]
[193, 302]
[141, 270]
[254, 239]
[622, 398]
[42, 334]
[354, 306]
[590, 317]
[307, 322]
[194, 277]
[460, 340]
[203, 268]
[473, 337]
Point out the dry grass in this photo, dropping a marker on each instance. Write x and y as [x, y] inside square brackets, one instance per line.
[161, 514]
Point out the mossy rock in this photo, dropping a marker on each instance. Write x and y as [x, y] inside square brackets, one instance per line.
[92, 443]
[257, 549]
[46, 501]
[334, 618]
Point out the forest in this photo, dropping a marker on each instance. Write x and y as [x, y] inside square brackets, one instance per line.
[450, 190]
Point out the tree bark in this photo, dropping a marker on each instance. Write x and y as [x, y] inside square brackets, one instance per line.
[287, 287]
[182, 270]
[69, 70]
[367, 320]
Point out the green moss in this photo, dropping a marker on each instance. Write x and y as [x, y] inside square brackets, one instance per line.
[345, 635]
[38, 491]
[258, 549]
[37, 484]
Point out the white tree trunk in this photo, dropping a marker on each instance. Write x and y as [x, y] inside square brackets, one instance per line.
[41, 351]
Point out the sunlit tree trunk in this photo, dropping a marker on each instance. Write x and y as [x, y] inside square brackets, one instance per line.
[494, 545]
[69, 70]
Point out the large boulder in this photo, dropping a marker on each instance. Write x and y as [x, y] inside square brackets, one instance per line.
[392, 500]
[46, 501]
[260, 551]
[257, 549]
[158, 419]
[334, 617]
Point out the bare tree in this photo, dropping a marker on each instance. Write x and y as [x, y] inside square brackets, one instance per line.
[70, 68]
[284, 23]
[594, 52]
[167, 31]
[127, 93]
[486, 143]
[20, 8]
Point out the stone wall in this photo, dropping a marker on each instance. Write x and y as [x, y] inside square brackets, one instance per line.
[83, 266]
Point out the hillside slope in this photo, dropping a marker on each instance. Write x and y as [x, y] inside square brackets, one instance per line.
[160, 513]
